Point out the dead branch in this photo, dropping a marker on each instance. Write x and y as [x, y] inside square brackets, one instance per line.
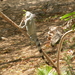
[49, 59]
[12, 23]
[60, 47]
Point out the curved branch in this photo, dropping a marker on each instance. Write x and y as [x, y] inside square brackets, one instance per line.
[60, 47]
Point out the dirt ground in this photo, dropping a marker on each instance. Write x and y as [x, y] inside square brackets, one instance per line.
[17, 57]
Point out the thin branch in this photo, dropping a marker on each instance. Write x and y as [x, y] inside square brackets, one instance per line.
[60, 47]
[13, 23]
[49, 59]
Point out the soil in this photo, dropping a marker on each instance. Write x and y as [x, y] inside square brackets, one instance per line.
[17, 57]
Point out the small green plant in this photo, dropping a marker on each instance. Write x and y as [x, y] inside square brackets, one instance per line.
[69, 69]
[46, 70]
[67, 17]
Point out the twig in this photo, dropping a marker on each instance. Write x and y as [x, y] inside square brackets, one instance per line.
[60, 47]
[13, 23]
[49, 59]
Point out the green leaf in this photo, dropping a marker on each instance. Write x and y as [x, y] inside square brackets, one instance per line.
[47, 70]
[24, 10]
[44, 70]
[67, 19]
[40, 71]
[67, 15]
[24, 14]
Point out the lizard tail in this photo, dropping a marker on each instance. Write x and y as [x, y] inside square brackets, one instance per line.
[40, 49]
